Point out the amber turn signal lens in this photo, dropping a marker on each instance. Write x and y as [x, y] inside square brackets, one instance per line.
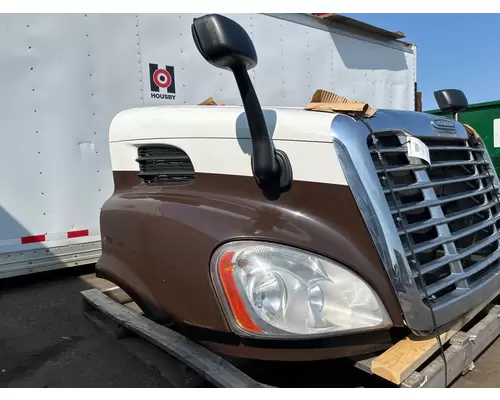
[226, 269]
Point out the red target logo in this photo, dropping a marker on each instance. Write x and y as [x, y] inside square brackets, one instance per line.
[162, 78]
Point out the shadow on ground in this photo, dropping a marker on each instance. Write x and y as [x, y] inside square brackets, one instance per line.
[45, 340]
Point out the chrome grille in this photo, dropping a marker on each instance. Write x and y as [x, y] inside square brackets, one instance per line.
[447, 214]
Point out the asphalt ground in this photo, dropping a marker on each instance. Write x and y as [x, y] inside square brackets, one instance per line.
[45, 340]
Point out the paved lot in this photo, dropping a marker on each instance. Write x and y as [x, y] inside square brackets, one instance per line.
[45, 341]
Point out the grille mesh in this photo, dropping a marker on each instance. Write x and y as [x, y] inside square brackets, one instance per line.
[449, 209]
[164, 163]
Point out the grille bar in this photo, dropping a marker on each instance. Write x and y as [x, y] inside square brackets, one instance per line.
[165, 157]
[442, 200]
[400, 149]
[454, 148]
[457, 235]
[449, 218]
[439, 182]
[174, 172]
[416, 167]
[161, 163]
[455, 278]
[446, 259]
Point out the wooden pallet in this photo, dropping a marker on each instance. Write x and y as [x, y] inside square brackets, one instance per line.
[417, 362]
[412, 362]
[181, 362]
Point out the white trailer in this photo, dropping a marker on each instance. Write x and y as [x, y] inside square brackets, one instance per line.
[65, 76]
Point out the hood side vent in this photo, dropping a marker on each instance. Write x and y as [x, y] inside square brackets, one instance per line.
[161, 163]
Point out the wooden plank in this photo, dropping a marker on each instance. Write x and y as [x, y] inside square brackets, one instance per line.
[466, 347]
[134, 307]
[364, 362]
[399, 361]
[162, 364]
[209, 365]
[105, 324]
[485, 331]
[458, 357]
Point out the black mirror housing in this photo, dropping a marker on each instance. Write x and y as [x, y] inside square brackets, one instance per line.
[451, 100]
[223, 43]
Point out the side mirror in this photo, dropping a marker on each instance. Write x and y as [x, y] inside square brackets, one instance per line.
[451, 100]
[225, 44]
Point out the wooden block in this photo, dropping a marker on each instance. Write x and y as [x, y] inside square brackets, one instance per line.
[117, 294]
[399, 361]
[364, 363]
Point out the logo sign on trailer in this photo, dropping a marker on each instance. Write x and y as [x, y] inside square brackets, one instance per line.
[162, 82]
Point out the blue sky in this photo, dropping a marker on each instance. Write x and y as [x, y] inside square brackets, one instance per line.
[454, 51]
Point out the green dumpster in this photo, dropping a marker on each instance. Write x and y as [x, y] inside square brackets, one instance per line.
[485, 119]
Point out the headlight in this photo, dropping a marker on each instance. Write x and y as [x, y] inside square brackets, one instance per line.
[277, 291]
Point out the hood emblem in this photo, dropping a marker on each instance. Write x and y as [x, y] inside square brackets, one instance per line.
[444, 125]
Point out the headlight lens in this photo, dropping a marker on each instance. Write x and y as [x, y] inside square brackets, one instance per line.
[277, 291]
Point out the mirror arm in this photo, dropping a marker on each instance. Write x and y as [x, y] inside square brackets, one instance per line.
[271, 167]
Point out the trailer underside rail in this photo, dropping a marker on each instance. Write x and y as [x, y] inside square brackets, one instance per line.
[208, 365]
